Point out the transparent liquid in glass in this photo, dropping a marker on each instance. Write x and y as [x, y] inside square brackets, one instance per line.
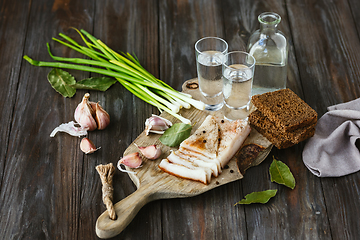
[268, 78]
[269, 47]
[210, 72]
[237, 86]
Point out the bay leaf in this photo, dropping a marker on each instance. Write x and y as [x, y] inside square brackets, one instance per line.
[61, 80]
[174, 135]
[280, 173]
[258, 197]
[95, 83]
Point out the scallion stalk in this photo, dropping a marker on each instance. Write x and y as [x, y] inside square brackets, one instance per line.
[125, 68]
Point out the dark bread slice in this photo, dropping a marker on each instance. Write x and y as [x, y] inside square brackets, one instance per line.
[285, 109]
[277, 137]
[257, 119]
[278, 143]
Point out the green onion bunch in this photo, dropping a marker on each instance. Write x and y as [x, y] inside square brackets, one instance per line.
[126, 69]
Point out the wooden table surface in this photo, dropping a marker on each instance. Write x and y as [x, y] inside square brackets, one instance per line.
[50, 190]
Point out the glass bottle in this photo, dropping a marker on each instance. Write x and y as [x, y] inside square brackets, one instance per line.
[269, 47]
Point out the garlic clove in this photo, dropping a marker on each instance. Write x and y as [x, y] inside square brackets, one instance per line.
[84, 114]
[87, 146]
[151, 152]
[102, 117]
[156, 124]
[132, 160]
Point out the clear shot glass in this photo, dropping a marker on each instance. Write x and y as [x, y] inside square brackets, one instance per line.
[237, 75]
[210, 52]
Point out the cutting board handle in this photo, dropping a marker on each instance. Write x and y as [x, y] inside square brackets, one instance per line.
[125, 210]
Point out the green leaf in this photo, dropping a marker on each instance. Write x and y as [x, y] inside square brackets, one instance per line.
[95, 83]
[280, 173]
[174, 135]
[258, 197]
[61, 80]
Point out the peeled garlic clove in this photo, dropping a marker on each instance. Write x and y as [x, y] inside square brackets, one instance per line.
[156, 124]
[151, 152]
[102, 117]
[87, 146]
[84, 114]
[132, 160]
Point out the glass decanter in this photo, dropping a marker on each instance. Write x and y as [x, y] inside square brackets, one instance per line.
[269, 47]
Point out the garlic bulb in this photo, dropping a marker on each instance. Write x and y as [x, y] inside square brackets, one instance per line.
[132, 160]
[156, 124]
[102, 117]
[151, 152]
[84, 114]
[87, 146]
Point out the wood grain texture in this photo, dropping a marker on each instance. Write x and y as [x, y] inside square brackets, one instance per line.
[10, 62]
[50, 190]
[40, 175]
[332, 67]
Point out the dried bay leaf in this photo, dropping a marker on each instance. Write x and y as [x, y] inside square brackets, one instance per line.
[280, 173]
[174, 135]
[258, 197]
[95, 83]
[61, 80]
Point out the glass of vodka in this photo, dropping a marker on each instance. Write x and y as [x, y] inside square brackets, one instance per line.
[237, 74]
[210, 52]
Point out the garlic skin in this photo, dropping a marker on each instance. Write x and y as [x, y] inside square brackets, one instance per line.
[132, 160]
[102, 117]
[71, 129]
[156, 124]
[151, 152]
[87, 146]
[84, 114]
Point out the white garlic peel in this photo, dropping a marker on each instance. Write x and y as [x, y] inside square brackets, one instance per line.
[156, 124]
[71, 129]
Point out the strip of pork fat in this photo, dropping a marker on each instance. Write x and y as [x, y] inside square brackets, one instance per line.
[208, 150]
[177, 156]
[197, 174]
[188, 154]
[232, 136]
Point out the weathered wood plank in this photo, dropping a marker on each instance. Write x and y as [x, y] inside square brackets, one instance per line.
[275, 219]
[42, 181]
[50, 189]
[182, 23]
[12, 38]
[326, 47]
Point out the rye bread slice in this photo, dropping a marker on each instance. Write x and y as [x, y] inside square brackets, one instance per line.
[277, 137]
[285, 109]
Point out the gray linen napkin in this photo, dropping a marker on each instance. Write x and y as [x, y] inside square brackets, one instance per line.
[332, 151]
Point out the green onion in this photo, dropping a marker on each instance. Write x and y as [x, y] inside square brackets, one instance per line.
[126, 69]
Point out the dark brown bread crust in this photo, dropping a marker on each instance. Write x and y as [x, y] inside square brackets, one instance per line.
[277, 137]
[278, 143]
[285, 109]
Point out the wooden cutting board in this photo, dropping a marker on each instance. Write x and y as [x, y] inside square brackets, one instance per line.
[152, 183]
